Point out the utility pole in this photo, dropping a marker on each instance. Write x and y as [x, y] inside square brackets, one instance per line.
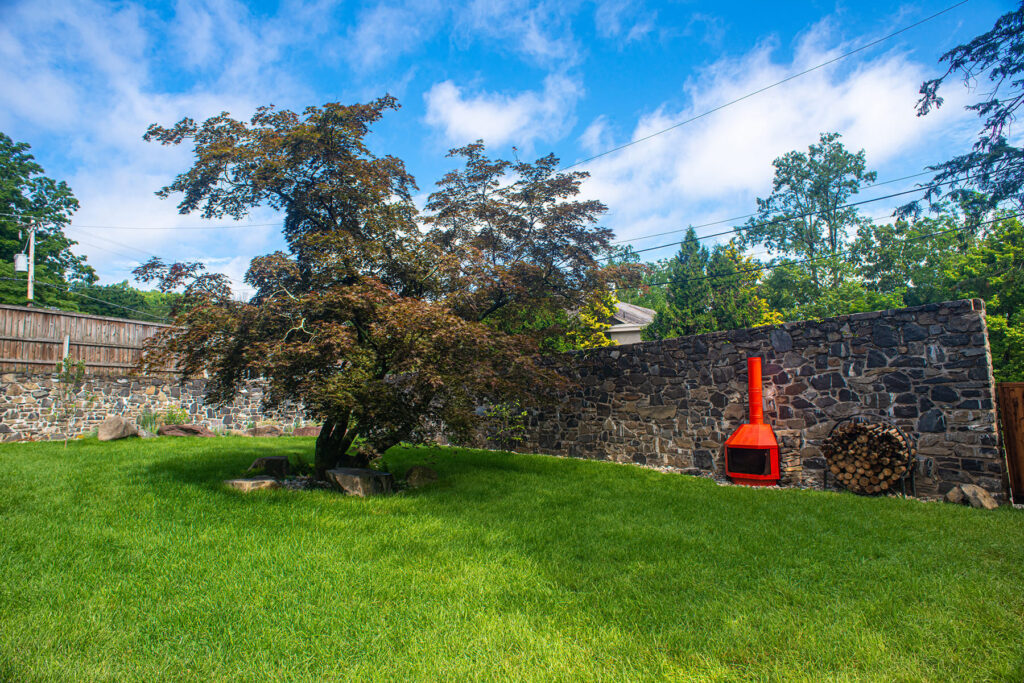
[31, 262]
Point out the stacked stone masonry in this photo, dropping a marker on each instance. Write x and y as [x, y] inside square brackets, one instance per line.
[28, 403]
[673, 403]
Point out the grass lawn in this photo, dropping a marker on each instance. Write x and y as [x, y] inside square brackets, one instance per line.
[131, 561]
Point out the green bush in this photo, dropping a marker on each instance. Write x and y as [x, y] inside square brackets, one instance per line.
[176, 416]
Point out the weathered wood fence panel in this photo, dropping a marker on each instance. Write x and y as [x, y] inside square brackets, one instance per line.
[1011, 412]
[34, 339]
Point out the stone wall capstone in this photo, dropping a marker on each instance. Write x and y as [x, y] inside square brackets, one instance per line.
[673, 403]
[27, 402]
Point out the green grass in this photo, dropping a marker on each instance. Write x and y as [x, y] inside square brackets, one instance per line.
[131, 561]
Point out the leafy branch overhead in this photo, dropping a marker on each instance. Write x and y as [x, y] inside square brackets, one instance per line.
[992, 173]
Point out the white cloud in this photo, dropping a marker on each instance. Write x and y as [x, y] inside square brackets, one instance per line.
[598, 136]
[85, 74]
[387, 31]
[717, 165]
[520, 119]
[623, 18]
[540, 31]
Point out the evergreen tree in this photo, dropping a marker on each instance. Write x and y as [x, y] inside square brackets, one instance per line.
[688, 294]
[711, 290]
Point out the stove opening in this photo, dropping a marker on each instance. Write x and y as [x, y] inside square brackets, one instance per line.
[748, 460]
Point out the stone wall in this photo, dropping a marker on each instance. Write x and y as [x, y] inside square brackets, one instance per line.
[674, 402]
[27, 403]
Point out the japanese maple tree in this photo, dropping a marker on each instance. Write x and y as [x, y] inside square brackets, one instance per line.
[384, 329]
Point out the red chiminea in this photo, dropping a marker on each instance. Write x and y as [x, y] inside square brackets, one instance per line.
[752, 452]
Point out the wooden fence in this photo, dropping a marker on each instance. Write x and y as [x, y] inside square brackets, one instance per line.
[35, 339]
[1011, 411]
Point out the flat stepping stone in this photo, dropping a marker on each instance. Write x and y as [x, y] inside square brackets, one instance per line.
[253, 484]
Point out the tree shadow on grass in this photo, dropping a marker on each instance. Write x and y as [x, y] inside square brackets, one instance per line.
[207, 463]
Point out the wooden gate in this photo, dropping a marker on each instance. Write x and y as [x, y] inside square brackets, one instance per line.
[1011, 412]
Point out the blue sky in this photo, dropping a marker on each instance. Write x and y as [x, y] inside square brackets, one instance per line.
[82, 80]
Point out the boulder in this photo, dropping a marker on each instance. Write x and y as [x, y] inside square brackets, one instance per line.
[973, 495]
[419, 475]
[146, 434]
[274, 465]
[184, 430]
[978, 497]
[309, 430]
[114, 428]
[360, 482]
[253, 484]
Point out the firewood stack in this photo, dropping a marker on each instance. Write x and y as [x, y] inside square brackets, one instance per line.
[867, 457]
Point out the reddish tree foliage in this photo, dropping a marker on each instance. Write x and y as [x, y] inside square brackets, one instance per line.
[384, 331]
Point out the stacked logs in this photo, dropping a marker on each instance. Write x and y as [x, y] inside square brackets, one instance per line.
[867, 457]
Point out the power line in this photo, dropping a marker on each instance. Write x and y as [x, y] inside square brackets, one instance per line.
[138, 227]
[767, 87]
[778, 220]
[179, 227]
[86, 296]
[137, 250]
[751, 215]
[812, 260]
[106, 249]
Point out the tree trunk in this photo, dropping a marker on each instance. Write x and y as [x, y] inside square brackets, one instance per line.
[332, 447]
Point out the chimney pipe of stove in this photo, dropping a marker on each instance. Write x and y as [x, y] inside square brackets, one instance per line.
[754, 391]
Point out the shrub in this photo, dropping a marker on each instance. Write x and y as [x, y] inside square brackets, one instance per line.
[506, 424]
[148, 420]
[176, 416]
[70, 382]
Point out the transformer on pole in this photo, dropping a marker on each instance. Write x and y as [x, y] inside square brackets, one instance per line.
[27, 262]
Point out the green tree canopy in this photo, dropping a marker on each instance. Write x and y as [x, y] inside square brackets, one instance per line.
[806, 217]
[116, 299]
[28, 196]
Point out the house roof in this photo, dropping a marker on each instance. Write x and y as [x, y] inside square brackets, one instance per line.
[631, 314]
